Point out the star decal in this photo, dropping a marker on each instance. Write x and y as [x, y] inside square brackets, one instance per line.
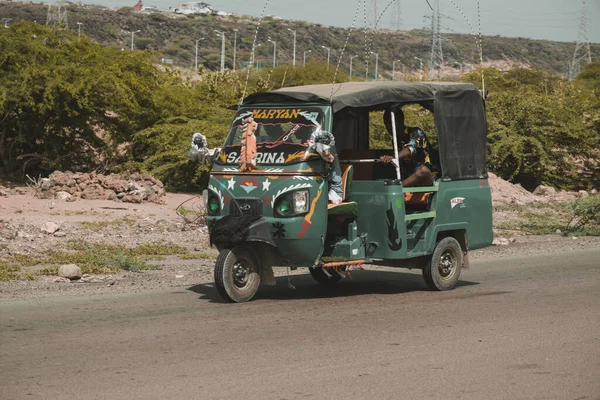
[266, 184]
[230, 184]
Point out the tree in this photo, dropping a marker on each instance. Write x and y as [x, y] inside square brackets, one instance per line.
[68, 103]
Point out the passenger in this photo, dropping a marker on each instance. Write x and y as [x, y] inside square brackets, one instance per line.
[414, 146]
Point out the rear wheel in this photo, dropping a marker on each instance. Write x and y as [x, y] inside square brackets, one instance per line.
[237, 274]
[443, 269]
[320, 276]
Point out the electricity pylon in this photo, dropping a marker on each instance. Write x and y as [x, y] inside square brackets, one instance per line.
[57, 14]
[436, 60]
[582, 54]
[396, 16]
[372, 14]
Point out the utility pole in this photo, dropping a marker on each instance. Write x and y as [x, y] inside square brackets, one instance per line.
[304, 61]
[235, 31]
[351, 58]
[294, 56]
[133, 33]
[196, 55]
[274, 51]
[252, 58]
[328, 55]
[79, 29]
[420, 67]
[222, 34]
[582, 54]
[57, 15]
[394, 69]
[376, 65]
[436, 60]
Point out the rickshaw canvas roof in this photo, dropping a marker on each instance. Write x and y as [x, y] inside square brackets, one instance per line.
[361, 94]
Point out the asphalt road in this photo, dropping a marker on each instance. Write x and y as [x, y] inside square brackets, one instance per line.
[515, 328]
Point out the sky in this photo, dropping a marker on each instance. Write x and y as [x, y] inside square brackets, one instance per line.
[537, 19]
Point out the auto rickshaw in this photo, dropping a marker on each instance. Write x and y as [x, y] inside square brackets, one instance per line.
[267, 196]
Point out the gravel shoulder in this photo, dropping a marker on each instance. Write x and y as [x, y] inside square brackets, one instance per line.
[105, 222]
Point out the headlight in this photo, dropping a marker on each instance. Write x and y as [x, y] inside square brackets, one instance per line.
[213, 205]
[292, 203]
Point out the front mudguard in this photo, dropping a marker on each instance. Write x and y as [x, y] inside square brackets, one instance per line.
[233, 230]
[254, 232]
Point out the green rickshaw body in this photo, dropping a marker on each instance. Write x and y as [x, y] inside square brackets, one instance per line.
[385, 229]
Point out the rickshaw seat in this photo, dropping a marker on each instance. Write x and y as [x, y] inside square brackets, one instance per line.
[417, 198]
[346, 207]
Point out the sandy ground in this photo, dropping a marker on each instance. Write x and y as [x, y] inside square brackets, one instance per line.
[22, 217]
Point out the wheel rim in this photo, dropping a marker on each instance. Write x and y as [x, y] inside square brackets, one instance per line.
[241, 273]
[447, 265]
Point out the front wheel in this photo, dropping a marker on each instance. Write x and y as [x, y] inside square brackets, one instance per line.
[237, 274]
[443, 269]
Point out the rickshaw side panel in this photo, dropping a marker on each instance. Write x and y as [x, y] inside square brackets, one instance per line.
[381, 216]
[461, 207]
[465, 204]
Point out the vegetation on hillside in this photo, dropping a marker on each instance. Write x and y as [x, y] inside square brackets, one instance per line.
[69, 103]
[174, 36]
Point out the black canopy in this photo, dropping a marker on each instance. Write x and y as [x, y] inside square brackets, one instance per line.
[458, 108]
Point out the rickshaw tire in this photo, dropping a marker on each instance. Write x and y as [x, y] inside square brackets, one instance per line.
[224, 269]
[322, 278]
[433, 272]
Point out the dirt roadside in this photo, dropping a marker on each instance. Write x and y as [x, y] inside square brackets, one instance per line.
[24, 219]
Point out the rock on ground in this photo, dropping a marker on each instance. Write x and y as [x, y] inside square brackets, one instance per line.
[71, 271]
[50, 227]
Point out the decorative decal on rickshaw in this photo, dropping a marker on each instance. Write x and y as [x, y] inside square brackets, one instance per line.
[307, 220]
[457, 201]
[223, 158]
[289, 188]
[219, 195]
[278, 230]
[304, 178]
[399, 203]
[274, 113]
[394, 240]
[230, 184]
[299, 155]
[249, 184]
[230, 169]
[266, 184]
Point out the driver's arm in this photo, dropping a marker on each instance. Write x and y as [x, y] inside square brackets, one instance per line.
[403, 154]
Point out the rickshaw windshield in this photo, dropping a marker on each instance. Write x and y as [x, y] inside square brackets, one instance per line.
[277, 126]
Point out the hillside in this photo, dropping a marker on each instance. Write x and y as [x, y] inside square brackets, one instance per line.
[173, 37]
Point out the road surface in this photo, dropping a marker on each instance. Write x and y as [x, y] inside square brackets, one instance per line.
[515, 328]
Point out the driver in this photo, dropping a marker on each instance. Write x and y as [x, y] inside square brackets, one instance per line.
[414, 147]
